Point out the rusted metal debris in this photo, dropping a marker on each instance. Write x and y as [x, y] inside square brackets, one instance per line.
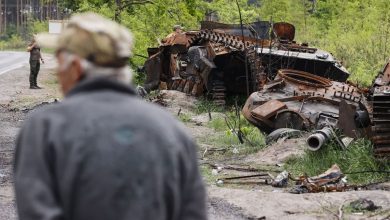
[330, 181]
[260, 178]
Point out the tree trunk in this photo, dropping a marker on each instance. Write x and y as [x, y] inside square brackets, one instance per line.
[40, 10]
[5, 16]
[57, 17]
[46, 11]
[1, 17]
[118, 10]
[50, 10]
[17, 15]
[22, 15]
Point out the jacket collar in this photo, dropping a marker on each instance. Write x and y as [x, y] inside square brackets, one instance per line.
[99, 84]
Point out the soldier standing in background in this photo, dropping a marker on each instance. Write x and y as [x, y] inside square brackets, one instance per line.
[35, 58]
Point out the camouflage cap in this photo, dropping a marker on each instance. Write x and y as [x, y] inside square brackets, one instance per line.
[94, 38]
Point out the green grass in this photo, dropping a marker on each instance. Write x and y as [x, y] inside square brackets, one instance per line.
[357, 157]
[226, 137]
[204, 105]
[208, 177]
[184, 117]
[218, 124]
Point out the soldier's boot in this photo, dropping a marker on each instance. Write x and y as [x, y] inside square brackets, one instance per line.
[32, 84]
[35, 82]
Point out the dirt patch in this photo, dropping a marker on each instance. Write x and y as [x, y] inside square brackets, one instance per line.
[178, 101]
[281, 205]
[221, 210]
[278, 152]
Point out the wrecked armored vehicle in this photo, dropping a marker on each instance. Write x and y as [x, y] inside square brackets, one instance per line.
[303, 101]
[223, 59]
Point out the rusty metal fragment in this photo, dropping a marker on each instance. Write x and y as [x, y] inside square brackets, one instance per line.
[329, 181]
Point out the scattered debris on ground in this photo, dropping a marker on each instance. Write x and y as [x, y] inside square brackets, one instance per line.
[331, 180]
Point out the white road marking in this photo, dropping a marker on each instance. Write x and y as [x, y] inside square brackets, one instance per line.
[12, 60]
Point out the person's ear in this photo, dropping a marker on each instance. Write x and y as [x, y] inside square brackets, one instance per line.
[78, 69]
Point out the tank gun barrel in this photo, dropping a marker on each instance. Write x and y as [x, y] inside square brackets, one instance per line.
[319, 138]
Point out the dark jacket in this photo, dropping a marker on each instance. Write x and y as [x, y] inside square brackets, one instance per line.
[35, 52]
[102, 153]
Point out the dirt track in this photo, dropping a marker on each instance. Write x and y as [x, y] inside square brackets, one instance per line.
[227, 202]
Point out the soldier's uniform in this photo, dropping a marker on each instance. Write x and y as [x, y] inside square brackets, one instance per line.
[35, 57]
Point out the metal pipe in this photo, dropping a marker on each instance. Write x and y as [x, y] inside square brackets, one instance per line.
[319, 138]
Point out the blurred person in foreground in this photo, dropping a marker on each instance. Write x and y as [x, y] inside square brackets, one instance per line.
[102, 153]
[35, 65]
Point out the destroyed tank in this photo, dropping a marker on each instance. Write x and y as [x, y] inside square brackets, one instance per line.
[304, 101]
[224, 60]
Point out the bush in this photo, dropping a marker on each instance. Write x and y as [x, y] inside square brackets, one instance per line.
[14, 42]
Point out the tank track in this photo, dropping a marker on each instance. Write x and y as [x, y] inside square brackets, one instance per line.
[381, 121]
[218, 93]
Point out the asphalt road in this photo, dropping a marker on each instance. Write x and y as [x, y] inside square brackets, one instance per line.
[10, 60]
